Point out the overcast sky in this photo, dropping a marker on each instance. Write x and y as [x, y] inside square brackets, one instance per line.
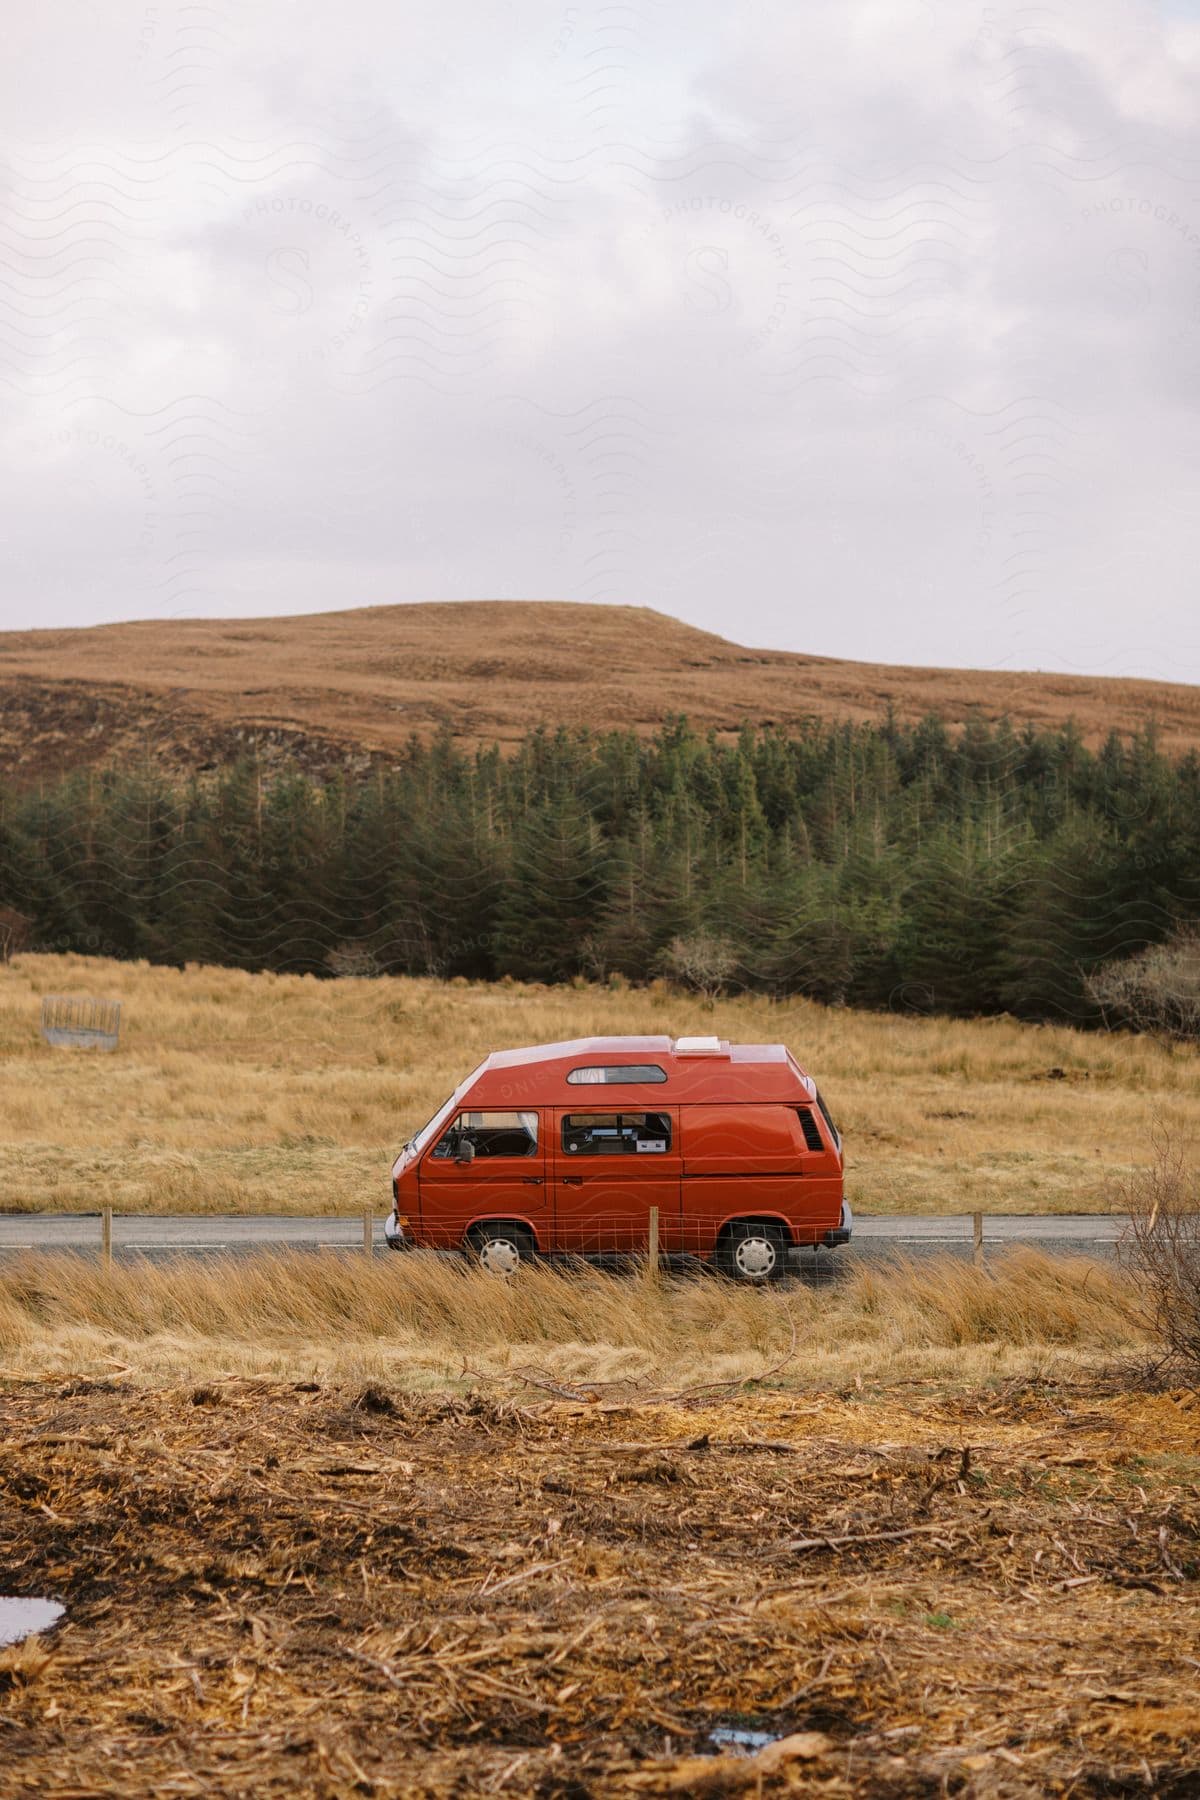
[870, 329]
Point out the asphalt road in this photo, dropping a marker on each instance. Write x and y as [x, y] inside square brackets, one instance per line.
[1091, 1234]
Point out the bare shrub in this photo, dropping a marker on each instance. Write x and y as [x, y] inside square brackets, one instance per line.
[1162, 1249]
[703, 960]
[16, 933]
[1157, 991]
[352, 960]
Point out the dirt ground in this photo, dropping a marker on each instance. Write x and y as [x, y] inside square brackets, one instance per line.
[530, 1590]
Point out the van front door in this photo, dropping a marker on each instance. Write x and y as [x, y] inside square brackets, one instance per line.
[485, 1165]
[610, 1168]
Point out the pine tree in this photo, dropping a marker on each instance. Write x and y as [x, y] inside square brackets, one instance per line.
[554, 896]
[949, 945]
[1059, 921]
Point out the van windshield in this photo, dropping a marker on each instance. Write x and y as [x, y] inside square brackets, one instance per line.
[431, 1128]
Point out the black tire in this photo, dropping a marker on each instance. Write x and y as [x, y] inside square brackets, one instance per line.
[500, 1249]
[753, 1253]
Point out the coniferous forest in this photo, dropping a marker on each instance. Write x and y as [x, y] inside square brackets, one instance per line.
[884, 865]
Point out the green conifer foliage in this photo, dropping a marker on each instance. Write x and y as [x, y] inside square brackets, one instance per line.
[887, 865]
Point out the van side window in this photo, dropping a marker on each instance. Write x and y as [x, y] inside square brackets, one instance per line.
[492, 1134]
[597, 1074]
[616, 1134]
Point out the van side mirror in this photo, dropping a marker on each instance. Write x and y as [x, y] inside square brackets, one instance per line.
[465, 1152]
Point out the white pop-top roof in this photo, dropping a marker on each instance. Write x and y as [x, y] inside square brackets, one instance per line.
[701, 1046]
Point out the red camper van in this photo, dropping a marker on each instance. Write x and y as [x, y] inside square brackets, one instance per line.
[564, 1148]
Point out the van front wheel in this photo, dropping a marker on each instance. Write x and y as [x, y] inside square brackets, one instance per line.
[500, 1249]
[752, 1252]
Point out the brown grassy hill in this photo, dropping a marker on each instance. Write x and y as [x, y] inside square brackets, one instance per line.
[332, 687]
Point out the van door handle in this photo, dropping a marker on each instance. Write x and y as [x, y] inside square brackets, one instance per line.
[572, 1180]
[532, 1180]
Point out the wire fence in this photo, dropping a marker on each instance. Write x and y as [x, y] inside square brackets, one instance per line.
[150, 1235]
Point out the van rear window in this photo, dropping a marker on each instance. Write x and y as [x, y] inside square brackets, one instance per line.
[828, 1118]
[616, 1134]
[597, 1074]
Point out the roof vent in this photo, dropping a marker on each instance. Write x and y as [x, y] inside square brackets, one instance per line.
[701, 1046]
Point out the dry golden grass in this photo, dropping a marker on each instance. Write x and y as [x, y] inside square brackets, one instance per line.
[423, 1321]
[327, 685]
[235, 1092]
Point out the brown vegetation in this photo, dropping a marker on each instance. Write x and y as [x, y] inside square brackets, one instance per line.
[424, 1320]
[1162, 1249]
[312, 1590]
[233, 1092]
[15, 933]
[328, 688]
[1156, 991]
[896, 1524]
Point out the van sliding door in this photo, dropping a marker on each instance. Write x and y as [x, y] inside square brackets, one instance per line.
[610, 1168]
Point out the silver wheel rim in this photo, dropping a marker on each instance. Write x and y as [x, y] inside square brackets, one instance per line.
[755, 1258]
[499, 1256]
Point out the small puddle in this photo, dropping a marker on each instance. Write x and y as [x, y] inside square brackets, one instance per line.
[738, 1740]
[21, 1618]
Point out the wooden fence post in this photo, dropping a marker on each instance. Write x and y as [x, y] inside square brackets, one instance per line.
[978, 1219]
[106, 1239]
[369, 1233]
[652, 1256]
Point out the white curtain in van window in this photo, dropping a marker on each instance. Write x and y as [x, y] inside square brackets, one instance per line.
[529, 1120]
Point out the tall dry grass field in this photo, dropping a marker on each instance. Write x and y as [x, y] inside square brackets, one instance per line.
[428, 1322]
[234, 1092]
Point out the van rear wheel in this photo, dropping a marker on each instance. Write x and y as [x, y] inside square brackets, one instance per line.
[500, 1249]
[752, 1252]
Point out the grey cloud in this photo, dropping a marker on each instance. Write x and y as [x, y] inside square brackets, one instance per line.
[869, 331]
